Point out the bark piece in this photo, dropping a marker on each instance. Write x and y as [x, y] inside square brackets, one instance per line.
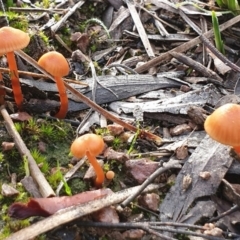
[108, 215]
[149, 201]
[140, 169]
[122, 86]
[203, 209]
[110, 154]
[8, 190]
[177, 105]
[133, 234]
[209, 156]
[115, 129]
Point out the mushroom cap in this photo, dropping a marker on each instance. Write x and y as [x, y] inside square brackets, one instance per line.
[110, 175]
[223, 124]
[12, 39]
[54, 63]
[88, 142]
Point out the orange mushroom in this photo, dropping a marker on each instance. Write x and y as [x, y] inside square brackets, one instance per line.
[90, 145]
[224, 127]
[55, 63]
[11, 40]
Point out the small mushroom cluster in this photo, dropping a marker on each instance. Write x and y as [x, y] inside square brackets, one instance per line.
[90, 145]
[53, 62]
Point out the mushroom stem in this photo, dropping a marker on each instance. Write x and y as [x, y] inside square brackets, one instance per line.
[16, 87]
[98, 169]
[63, 98]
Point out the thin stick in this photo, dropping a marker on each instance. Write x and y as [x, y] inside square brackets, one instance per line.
[132, 225]
[37, 175]
[39, 75]
[17, 9]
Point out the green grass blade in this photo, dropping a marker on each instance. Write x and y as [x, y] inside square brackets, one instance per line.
[233, 5]
[220, 3]
[217, 33]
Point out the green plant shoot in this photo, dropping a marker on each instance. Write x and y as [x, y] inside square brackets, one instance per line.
[233, 5]
[26, 167]
[217, 34]
[135, 138]
[66, 187]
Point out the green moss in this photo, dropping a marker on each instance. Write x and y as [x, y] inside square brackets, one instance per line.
[55, 178]
[9, 3]
[46, 3]
[16, 20]
[78, 186]
[43, 3]
[44, 37]
[50, 131]
[102, 131]
[41, 160]
[117, 142]
[7, 224]
[56, 17]
[1, 157]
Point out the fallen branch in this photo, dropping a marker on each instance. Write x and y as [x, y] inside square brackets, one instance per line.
[73, 213]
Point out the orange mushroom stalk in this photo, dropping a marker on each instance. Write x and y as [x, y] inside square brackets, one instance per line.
[224, 127]
[13, 39]
[55, 63]
[90, 145]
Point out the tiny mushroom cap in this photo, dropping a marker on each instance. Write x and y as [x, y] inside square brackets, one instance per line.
[54, 63]
[88, 142]
[223, 125]
[110, 175]
[12, 39]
